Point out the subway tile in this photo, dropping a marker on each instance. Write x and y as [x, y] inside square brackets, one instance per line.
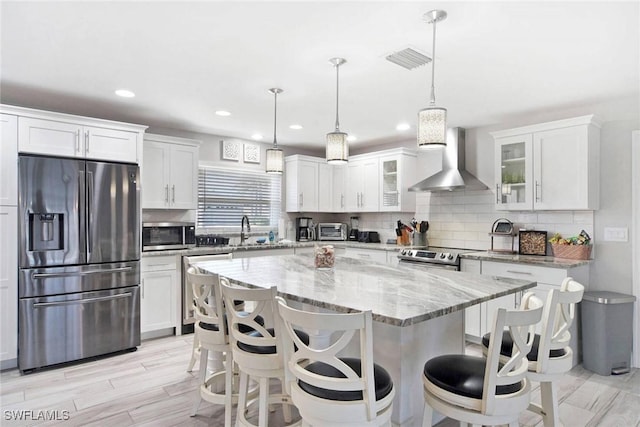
[554, 217]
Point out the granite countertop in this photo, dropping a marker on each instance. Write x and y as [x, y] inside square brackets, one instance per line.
[399, 296]
[207, 250]
[543, 261]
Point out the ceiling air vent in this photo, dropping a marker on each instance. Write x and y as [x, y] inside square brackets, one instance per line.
[408, 58]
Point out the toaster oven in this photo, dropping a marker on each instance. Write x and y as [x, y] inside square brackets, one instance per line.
[332, 231]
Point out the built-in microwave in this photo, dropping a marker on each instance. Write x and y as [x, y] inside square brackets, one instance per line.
[157, 236]
[332, 231]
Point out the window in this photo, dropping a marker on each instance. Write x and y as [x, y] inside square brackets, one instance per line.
[225, 195]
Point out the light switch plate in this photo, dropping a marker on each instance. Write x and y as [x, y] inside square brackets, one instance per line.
[616, 234]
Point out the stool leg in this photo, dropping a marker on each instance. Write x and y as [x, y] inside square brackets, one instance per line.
[286, 408]
[228, 390]
[549, 399]
[202, 373]
[242, 397]
[194, 353]
[263, 402]
[427, 416]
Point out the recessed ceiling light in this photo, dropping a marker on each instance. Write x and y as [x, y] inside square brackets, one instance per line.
[351, 138]
[403, 126]
[296, 127]
[256, 136]
[223, 113]
[125, 93]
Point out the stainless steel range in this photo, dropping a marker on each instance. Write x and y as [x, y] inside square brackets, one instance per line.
[446, 258]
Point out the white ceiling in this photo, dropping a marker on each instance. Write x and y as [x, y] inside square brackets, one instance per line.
[185, 60]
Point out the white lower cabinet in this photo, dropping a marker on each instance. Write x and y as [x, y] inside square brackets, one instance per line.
[263, 252]
[8, 286]
[372, 255]
[159, 293]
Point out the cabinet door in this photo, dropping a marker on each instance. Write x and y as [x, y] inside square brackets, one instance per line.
[338, 195]
[50, 137]
[111, 144]
[370, 189]
[9, 161]
[353, 187]
[308, 186]
[389, 184]
[561, 169]
[8, 283]
[155, 175]
[183, 191]
[377, 256]
[157, 296]
[514, 162]
[325, 187]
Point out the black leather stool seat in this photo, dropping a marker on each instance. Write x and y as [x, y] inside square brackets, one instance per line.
[243, 328]
[259, 349]
[462, 375]
[507, 346]
[383, 382]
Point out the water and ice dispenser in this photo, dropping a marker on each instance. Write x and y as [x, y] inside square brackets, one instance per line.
[46, 231]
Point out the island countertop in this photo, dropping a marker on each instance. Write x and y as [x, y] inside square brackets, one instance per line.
[399, 296]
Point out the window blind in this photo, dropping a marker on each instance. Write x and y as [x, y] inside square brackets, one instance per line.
[225, 195]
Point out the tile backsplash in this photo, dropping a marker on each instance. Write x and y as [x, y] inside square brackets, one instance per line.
[463, 219]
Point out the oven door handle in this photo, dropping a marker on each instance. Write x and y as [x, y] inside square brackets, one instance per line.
[81, 301]
[78, 273]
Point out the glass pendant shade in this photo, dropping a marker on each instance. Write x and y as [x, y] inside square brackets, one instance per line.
[337, 148]
[275, 161]
[432, 128]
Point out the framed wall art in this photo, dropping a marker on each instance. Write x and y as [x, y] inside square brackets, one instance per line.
[230, 150]
[532, 242]
[251, 153]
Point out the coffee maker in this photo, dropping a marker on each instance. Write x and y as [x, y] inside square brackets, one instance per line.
[355, 229]
[304, 229]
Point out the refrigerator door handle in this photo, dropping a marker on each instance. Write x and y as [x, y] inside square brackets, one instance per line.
[81, 301]
[78, 273]
[82, 214]
[90, 188]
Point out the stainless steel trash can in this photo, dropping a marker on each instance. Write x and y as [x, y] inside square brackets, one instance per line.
[607, 332]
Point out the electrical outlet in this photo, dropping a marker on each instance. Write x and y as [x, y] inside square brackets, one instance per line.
[616, 234]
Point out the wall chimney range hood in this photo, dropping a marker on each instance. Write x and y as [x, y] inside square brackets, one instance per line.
[453, 175]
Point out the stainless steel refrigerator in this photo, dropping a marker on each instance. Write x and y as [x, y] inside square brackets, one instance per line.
[79, 272]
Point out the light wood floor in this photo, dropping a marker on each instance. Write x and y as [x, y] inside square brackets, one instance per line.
[150, 387]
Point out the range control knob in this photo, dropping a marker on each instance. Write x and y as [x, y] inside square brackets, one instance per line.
[450, 256]
[403, 252]
[442, 255]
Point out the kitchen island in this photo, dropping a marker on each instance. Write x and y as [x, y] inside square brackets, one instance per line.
[417, 312]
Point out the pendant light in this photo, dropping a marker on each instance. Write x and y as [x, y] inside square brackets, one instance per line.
[275, 158]
[432, 121]
[337, 145]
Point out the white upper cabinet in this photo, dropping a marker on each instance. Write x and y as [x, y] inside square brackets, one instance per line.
[551, 166]
[362, 191]
[57, 134]
[9, 160]
[397, 173]
[338, 195]
[325, 187]
[301, 183]
[170, 173]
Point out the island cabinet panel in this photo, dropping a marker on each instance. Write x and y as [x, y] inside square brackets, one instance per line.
[549, 166]
[301, 183]
[170, 173]
[364, 254]
[158, 295]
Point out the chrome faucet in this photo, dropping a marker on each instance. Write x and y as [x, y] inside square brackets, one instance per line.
[243, 235]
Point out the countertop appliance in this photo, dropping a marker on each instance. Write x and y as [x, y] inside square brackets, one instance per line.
[158, 236]
[368, 237]
[332, 231]
[304, 229]
[79, 256]
[446, 258]
[355, 226]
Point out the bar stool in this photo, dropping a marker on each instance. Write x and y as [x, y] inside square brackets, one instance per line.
[330, 390]
[480, 390]
[257, 354]
[211, 331]
[551, 355]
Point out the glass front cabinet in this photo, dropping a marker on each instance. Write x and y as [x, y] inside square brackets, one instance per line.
[514, 189]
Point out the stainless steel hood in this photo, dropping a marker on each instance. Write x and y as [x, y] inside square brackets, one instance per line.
[453, 175]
